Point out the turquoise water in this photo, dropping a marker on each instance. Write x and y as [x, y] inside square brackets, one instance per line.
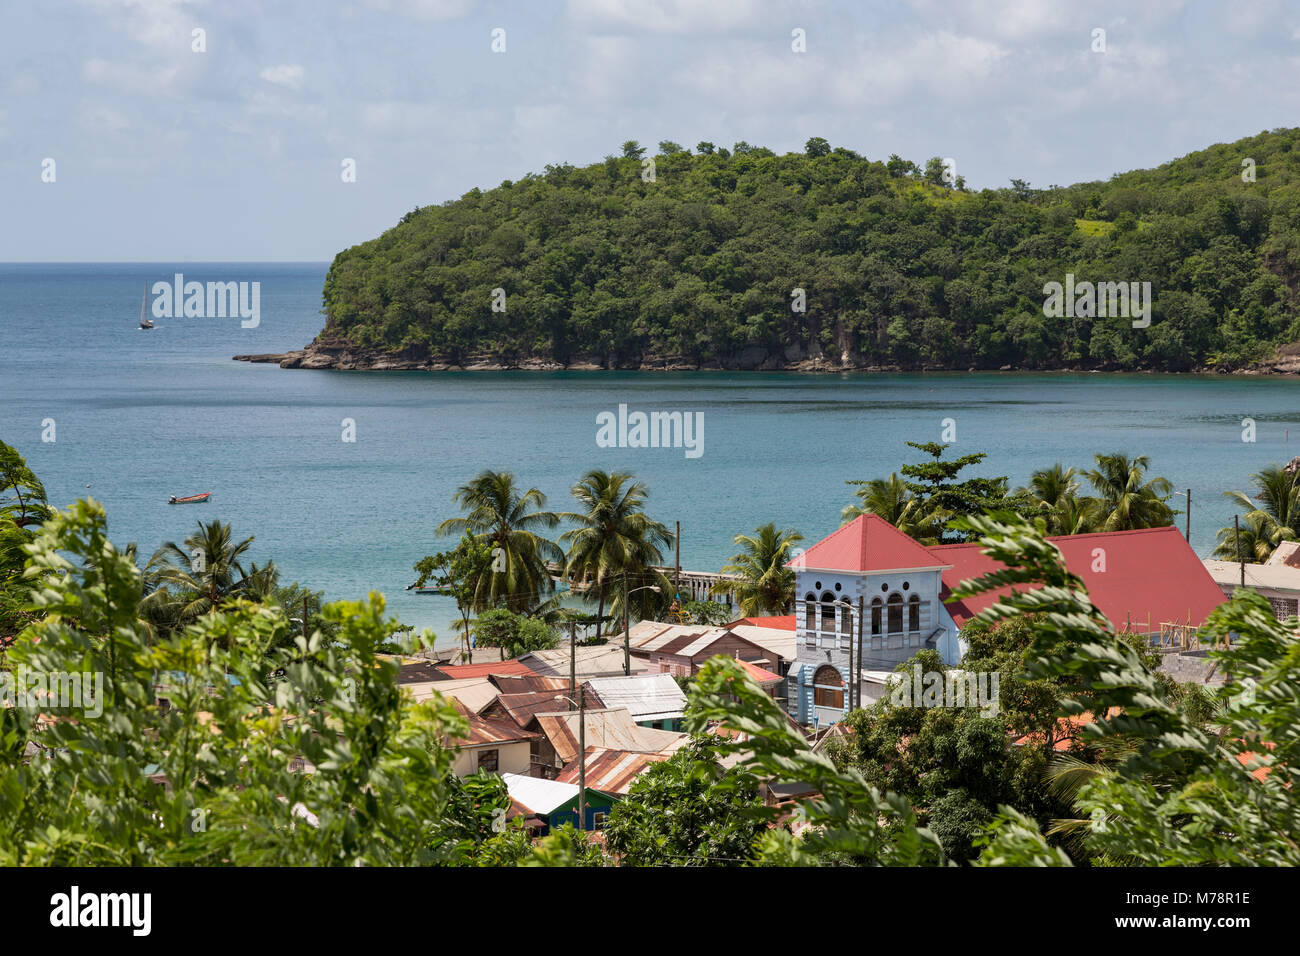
[143, 415]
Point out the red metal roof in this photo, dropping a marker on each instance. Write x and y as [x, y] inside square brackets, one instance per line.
[866, 544]
[460, 671]
[759, 674]
[1151, 573]
[784, 622]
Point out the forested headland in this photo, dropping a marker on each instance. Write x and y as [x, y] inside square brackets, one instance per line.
[702, 258]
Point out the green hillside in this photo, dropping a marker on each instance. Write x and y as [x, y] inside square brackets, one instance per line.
[697, 267]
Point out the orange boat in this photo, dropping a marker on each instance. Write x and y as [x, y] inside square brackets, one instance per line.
[189, 499]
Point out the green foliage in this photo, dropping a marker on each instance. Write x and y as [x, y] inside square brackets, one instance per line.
[710, 613]
[1269, 518]
[766, 585]
[688, 811]
[23, 508]
[506, 521]
[514, 633]
[209, 779]
[697, 267]
[615, 543]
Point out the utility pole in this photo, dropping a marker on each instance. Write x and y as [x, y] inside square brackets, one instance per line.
[677, 568]
[573, 662]
[627, 631]
[857, 681]
[582, 762]
[850, 688]
[1188, 532]
[1236, 535]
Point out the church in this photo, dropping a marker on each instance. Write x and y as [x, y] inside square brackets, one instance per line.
[870, 593]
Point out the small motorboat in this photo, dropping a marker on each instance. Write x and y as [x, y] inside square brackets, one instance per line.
[189, 499]
[144, 323]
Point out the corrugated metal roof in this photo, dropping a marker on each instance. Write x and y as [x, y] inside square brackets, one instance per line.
[610, 771]
[485, 731]
[774, 640]
[607, 729]
[523, 707]
[647, 697]
[460, 671]
[475, 693]
[600, 661]
[537, 794]
[528, 683]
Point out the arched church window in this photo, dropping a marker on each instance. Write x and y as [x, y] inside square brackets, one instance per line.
[914, 613]
[810, 612]
[877, 609]
[828, 687]
[828, 611]
[895, 607]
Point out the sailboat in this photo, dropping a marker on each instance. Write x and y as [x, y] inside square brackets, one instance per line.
[144, 323]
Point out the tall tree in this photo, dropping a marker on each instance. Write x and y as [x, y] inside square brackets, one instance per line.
[766, 585]
[22, 510]
[508, 521]
[890, 499]
[207, 570]
[614, 534]
[1274, 519]
[1125, 501]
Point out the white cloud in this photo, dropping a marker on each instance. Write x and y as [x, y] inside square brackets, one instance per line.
[129, 77]
[680, 17]
[424, 9]
[286, 75]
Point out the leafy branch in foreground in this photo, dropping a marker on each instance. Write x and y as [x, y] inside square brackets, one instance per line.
[1179, 795]
[848, 822]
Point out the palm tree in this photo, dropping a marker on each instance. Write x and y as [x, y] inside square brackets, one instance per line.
[890, 499]
[504, 519]
[1054, 493]
[1124, 502]
[614, 535]
[206, 569]
[1275, 519]
[766, 585]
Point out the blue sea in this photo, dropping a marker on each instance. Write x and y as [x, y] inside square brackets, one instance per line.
[141, 415]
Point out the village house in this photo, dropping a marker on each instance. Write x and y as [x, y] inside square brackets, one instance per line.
[555, 803]
[1277, 579]
[871, 593]
[680, 649]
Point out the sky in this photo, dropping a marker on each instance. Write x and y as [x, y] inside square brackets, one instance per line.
[235, 152]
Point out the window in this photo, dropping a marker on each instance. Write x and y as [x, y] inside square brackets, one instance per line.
[914, 613]
[598, 821]
[828, 611]
[846, 620]
[810, 612]
[876, 610]
[895, 613]
[828, 687]
[488, 760]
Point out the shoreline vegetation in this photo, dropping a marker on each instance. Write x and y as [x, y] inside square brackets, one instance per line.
[318, 358]
[826, 261]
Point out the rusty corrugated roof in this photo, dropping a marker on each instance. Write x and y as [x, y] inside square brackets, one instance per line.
[606, 729]
[610, 771]
[484, 730]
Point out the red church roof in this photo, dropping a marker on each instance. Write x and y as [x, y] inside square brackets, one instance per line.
[867, 544]
[1149, 574]
[784, 622]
